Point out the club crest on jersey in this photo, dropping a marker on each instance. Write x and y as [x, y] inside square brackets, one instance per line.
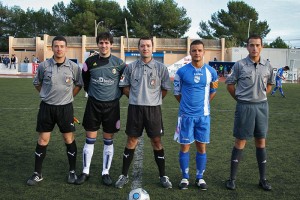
[114, 71]
[197, 78]
[95, 64]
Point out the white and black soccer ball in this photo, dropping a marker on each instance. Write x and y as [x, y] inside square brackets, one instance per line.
[138, 194]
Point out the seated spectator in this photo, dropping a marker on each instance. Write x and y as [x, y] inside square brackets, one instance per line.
[26, 59]
[6, 61]
[13, 61]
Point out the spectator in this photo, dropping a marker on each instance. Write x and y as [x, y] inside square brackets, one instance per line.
[26, 59]
[13, 60]
[6, 61]
[35, 59]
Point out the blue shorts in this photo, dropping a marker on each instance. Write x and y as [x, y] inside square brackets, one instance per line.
[190, 129]
[279, 83]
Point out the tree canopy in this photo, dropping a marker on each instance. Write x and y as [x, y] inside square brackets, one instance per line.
[160, 18]
[234, 24]
[278, 43]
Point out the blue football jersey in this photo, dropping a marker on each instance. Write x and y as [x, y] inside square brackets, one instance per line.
[195, 86]
[279, 74]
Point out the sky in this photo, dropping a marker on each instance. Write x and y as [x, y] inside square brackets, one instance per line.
[283, 16]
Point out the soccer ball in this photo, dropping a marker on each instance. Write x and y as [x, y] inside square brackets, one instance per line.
[138, 194]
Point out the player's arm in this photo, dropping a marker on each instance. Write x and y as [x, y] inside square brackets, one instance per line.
[212, 96]
[76, 90]
[126, 91]
[178, 97]
[164, 92]
[231, 90]
[269, 88]
[213, 89]
[86, 75]
[177, 87]
[38, 87]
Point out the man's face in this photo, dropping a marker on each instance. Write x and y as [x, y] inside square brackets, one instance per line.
[146, 48]
[104, 48]
[59, 49]
[254, 47]
[197, 52]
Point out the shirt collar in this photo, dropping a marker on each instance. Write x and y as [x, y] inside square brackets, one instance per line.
[150, 64]
[65, 63]
[262, 61]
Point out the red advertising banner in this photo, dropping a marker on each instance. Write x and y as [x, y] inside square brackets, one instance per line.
[34, 68]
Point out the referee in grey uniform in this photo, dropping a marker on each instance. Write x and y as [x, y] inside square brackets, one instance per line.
[249, 83]
[57, 80]
[145, 82]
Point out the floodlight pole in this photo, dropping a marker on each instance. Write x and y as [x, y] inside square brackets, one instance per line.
[249, 27]
[96, 27]
[127, 35]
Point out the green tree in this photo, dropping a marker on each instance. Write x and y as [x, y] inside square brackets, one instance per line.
[62, 21]
[234, 24]
[82, 15]
[4, 24]
[157, 18]
[278, 43]
[40, 22]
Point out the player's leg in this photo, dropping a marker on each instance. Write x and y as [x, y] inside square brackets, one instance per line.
[134, 129]
[236, 156]
[108, 153]
[280, 88]
[184, 163]
[202, 137]
[276, 87]
[260, 143]
[71, 149]
[91, 123]
[154, 128]
[243, 129]
[185, 138]
[128, 155]
[65, 122]
[87, 154]
[40, 154]
[111, 125]
[44, 126]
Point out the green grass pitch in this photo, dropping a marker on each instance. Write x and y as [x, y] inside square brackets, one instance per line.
[19, 103]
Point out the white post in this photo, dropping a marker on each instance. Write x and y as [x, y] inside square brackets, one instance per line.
[249, 27]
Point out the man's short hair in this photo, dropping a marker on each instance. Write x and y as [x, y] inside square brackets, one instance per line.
[197, 42]
[105, 36]
[145, 38]
[59, 38]
[286, 68]
[254, 37]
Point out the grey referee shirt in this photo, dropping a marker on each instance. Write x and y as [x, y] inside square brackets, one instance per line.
[57, 82]
[251, 79]
[146, 82]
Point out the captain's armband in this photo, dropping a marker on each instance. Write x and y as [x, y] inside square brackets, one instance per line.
[214, 85]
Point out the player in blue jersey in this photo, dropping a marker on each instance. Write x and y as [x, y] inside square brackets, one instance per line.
[195, 86]
[279, 78]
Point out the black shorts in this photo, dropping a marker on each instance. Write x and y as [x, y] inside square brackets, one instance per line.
[105, 112]
[140, 117]
[49, 115]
